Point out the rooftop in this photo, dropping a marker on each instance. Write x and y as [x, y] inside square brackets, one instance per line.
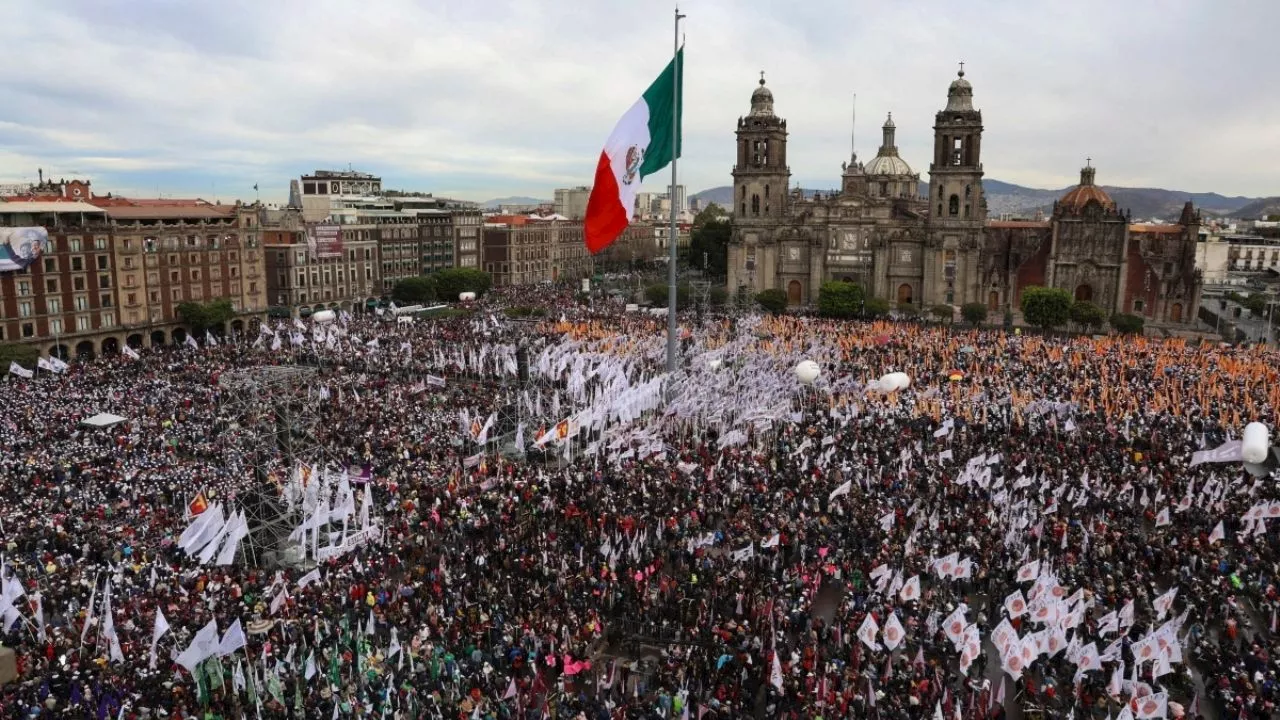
[1018, 224]
[171, 212]
[1156, 229]
[48, 206]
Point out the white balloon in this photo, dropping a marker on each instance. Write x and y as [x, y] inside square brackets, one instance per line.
[466, 297]
[895, 381]
[1256, 444]
[324, 317]
[807, 371]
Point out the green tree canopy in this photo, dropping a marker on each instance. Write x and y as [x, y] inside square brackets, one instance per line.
[414, 291]
[1087, 315]
[1127, 324]
[974, 313]
[658, 293]
[204, 316]
[772, 300]
[1045, 307]
[710, 236]
[875, 307]
[24, 355]
[943, 313]
[839, 299]
[453, 282]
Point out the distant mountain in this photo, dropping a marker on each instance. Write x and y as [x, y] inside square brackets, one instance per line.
[513, 200]
[1143, 203]
[1259, 209]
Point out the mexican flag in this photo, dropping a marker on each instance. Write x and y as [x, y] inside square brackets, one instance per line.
[641, 144]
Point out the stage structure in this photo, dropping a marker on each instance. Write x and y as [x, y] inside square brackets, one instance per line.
[267, 423]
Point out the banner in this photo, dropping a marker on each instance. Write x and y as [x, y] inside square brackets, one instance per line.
[21, 246]
[325, 240]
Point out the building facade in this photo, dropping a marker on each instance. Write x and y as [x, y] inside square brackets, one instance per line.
[572, 202]
[917, 249]
[303, 280]
[321, 188]
[522, 250]
[115, 274]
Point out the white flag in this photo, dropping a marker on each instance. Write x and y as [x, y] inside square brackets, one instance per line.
[16, 369]
[868, 631]
[233, 639]
[130, 353]
[1219, 533]
[162, 627]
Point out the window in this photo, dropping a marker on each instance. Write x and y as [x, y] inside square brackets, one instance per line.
[77, 283]
[1137, 306]
[253, 287]
[83, 323]
[128, 263]
[74, 244]
[24, 287]
[104, 300]
[133, 318]
[100, 243]
[195, 274]
[954, 205]
[174, 276]
[51, 265]
[755, 204]
[131, 299]
[153, 297]
[82, 302]
[55, 326]
[173, 259]
[28, 330]
[175, 294]
[77, 264]
[25, 309]
[51, 285]
[104, 281]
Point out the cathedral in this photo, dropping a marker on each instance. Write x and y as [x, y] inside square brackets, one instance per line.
[879, 231]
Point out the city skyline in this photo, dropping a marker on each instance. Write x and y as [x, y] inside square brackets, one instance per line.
[516, 98]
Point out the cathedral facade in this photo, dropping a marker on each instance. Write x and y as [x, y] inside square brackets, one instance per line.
[922, 249]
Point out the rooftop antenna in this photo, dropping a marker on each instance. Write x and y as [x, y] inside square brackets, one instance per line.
[853, 130]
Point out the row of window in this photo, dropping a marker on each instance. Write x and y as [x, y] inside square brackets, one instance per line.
[84, 323]
[51, 264]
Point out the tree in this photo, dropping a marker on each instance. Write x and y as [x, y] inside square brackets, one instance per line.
[453, 282]
[772, 300]
[974, 313]
[839, 299]
[204, 316]
[709, 238]
[1126, 324]
[875, 307]
[908, 310]
[944, 313]
[1046, 307]
[24, 355]
[414, 291]
[1087, 315]
[659, 293]
[718, 296]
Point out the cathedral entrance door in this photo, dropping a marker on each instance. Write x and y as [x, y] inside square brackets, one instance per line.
[1084, 293]
[904, 294]
[993, 300]
[794, 292]
[1175, 313]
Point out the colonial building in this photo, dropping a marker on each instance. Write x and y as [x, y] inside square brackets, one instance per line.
[343, 274]
[116, 270]
[525, 250]
[913, 248]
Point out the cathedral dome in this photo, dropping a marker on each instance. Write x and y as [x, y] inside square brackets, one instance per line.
[886, 161]
[762, 99]
[888, 165]
[960, 94]
[1081, 195]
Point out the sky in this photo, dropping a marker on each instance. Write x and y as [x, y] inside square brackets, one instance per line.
[479, 99]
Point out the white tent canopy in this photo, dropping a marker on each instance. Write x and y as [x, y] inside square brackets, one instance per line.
[103, 420]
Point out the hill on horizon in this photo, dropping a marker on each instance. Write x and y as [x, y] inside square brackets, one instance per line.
[1143, 203]
[513, 200]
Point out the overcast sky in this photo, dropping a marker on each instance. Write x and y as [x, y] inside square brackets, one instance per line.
[486, 98]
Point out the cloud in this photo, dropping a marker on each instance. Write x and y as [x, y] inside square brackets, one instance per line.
[516, 96]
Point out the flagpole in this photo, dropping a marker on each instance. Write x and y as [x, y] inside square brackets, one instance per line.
[674, 235]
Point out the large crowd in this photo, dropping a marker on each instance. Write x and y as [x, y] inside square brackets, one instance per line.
[1021, 530]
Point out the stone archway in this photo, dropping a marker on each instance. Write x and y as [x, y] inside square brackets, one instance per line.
[179, 335]
[134, 341]
[904, 294]
[237, 328]
[993, 300]
[60, 351]
[1175, 313]
[84, 349]
[110, 346]
[157, 338]
[1084, 293]
[795, 292]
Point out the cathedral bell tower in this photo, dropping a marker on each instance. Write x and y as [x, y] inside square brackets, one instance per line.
[957, 205]
[761, 200]
[761, 175]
